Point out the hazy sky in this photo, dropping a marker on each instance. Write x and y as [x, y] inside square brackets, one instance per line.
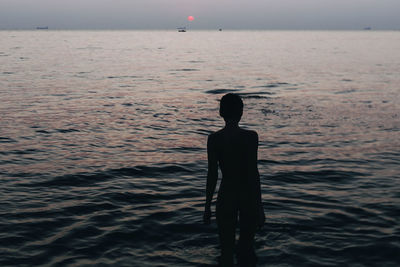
[209, 14]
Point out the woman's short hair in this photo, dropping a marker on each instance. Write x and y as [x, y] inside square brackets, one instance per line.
[231, 107]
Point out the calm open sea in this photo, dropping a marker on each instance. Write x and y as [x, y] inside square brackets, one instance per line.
[103, 145]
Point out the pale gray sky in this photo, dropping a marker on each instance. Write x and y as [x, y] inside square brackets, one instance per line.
[209, 14]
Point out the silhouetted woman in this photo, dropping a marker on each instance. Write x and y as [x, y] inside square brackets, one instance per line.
[235, 151]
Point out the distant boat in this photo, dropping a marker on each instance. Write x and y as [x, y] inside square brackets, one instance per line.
[42, 28]
[182, 29]
[220, 30]
[367, 28]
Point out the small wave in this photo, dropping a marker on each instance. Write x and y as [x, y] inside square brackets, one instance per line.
[67, 130]
[323, 176]
[7, 140]
[271, 85]
[188, 149]
[257, 93]
[90, 48]
[87, 208]
[84, 179]
[255, 97]
[346, 91]
[28, 151]
[268, 111]
[123, 77]
[185, 70]
[221, 91]
[306, 162]
[43, 131]
[57, 94]
[161, 115]
[379, 253]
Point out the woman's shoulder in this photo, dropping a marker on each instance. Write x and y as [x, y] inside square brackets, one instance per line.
[214, 135]
[250, 133]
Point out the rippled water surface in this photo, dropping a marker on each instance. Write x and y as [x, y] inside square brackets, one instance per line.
[103, 137]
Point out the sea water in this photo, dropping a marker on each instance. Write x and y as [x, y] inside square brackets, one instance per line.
[103, 145]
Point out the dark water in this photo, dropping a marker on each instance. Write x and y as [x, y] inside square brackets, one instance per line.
[102, 145]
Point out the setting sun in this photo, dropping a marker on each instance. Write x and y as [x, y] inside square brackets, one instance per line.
[190, 18]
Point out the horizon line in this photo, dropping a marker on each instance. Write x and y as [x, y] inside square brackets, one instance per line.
[195, 29]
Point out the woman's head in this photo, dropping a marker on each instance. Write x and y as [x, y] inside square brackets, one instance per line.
[231, 107]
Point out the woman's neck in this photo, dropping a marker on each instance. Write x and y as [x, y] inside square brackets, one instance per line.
[231, 124]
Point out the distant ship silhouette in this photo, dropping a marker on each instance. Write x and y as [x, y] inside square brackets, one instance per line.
[42, 28]
[182, 29]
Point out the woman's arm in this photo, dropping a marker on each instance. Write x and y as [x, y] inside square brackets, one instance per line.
[261, 214]
[212, 177]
